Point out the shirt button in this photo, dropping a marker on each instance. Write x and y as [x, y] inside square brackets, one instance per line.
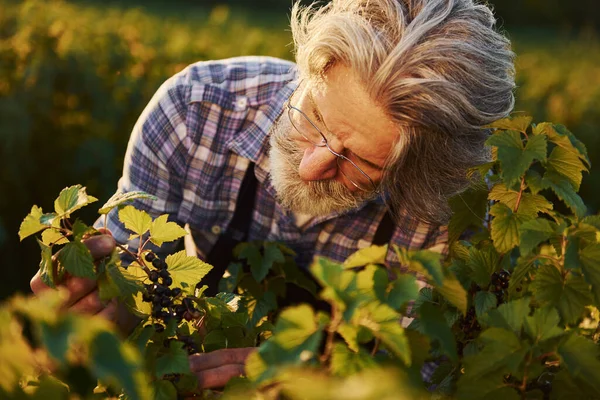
[216, 229]
[241, 102]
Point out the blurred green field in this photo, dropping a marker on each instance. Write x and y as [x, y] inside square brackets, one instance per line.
[75, 76]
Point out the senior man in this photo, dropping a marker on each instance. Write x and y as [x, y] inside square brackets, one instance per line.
[362, 141]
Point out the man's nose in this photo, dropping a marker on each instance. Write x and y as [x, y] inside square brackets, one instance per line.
[318, 163]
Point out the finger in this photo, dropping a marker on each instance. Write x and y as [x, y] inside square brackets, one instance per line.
[109, 312]
[89, 304]
[78, 289]
[217, 358]
[36, 284]
[218, 377]
[100, 246]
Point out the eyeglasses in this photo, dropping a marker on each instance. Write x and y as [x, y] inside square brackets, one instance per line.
[314, 135]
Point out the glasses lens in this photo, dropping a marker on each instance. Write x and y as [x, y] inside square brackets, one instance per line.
[305, 127]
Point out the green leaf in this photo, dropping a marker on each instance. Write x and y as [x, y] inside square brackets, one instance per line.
[346, 363]
[350, 335]
[214, 340]
[534, 232]
[453, 291]
[186, 271]
[231, 279]
[543, 325]
[118, 363]
[505, 227]
[514, 158]
[567, 164]
[434, 325]
[272, 254]
[468, 209]
[483, 263]
[164, 390]
[137, 221]
[424, 262]
[56, 338]
[524, 266]
[518, 123]
[174, 361]
[570, 296]
[118, 199]
[369, 255]
[71, 199]
[484, 302]
[261, 307]
[530, 204]
[384, 323]
[566, 192]
[119, 282]
[32, 224]
[76, 258]
[590, 265]
[509, 315]
[561, 136]
[46, 265]
[294, 326]
[533, 180]
[163, 231]
[51, 237]
[402, 290]
[580, 356]
[339, 285]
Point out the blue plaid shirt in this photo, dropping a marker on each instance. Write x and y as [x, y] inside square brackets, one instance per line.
[191, 147]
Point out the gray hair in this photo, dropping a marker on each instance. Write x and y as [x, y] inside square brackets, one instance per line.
[439, 69]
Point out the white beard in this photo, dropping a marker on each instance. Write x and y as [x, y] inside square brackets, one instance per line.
[316, 198]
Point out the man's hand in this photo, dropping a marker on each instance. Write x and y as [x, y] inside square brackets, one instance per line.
[83, 292]
[216, 368]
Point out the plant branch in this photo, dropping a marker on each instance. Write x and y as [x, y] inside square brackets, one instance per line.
[376, 347]
[520, 196]
[135, 256]
[335, 322]
[523, 387]
[546, 355]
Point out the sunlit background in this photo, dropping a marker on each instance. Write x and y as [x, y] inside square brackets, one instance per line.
[75, 75]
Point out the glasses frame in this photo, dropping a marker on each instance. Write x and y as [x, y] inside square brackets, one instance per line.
[325, 143]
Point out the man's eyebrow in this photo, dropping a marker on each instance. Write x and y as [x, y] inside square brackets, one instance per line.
[319, 117]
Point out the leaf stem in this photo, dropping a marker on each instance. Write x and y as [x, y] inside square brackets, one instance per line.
[335, 322]
[136, 257]
[520, 196]
[546, 355]
[376, 347]
[523, 387]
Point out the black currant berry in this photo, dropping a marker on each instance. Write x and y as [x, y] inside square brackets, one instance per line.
[180, 309]
[164, 273]
[167, 281]
[175, 292]
[150, 257]
[187, 302]
[165, 301]
[150, 288]
[159, 328]
[147, 297]
[156, 299]
[159, 264]
[153, 276]
[160, 289]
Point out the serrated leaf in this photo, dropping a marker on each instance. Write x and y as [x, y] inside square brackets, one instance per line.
[505, 227]
[214, 340]
[258, 308]
[543, 325]
[350, 335]
[483, 302]
[567, 164]
[562, 137]
[509, 315]
[174, 361]
[186, 271]
[118, 199]
[530, 204]
[163, 231]
[137, 221]
[524, 266]
[72, 199]
[516, 123]
[76, 258]
[272, 254]
[569, 295]
[56, 338]
[580, 357]
[590, 265]
[119, 280]
[434, 325]
[534, 232]
[515, 158]
[51, 237]
[164, 390]
[31, 224]
[483, 263]
[454, 292]
[566, 192]
[346, 363]
[384, 323]
[402, 290]
[46, 265]
[468, 209]
[369, 255]
[424, 262]
[533, 180]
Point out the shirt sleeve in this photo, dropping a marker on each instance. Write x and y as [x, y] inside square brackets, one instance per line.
[156, 160]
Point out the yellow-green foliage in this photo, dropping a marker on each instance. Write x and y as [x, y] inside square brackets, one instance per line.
[74, 77]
